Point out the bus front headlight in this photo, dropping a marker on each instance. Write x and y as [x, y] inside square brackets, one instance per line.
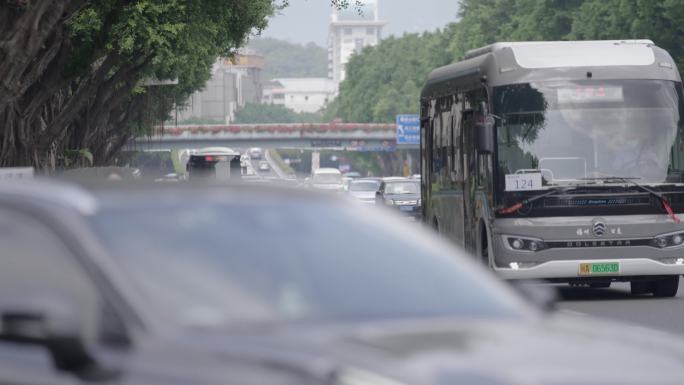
[668, 240]
[524, 244]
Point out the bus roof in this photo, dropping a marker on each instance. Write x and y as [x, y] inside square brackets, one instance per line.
[216, 151]
[549, 54]
[522, 62]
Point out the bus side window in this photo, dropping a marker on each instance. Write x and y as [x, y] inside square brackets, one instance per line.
[445, 109]
[456, 140]
[436, 140]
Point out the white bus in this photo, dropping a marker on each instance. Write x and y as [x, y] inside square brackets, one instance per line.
[560, 160]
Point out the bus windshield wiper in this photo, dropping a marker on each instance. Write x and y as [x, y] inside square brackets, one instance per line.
[630, 180]
[525, 202]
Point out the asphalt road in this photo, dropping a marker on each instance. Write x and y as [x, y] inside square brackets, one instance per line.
[262, 174]
[618, 304]
[255, 165]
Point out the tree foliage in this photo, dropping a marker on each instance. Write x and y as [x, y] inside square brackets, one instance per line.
[287, 60]
[73, 71]
[272, 113]
[386, 80]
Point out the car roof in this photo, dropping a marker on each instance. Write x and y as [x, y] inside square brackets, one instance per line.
[63, 193]
[327, 171]
[406, 180]
[365, 180]
[86, 196]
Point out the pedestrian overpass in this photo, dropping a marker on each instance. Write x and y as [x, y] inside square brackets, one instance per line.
[316, 136]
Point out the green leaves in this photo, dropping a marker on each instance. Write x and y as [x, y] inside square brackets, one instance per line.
[385, 80]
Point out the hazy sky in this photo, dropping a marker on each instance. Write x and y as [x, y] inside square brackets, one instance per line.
[307, 20]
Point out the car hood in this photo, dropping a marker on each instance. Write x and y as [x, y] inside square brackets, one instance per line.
[556, 350]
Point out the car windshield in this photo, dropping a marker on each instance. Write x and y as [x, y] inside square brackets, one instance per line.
[569, 131]
[327, 178]
[207, 264]
[364, 186]
[401, 188]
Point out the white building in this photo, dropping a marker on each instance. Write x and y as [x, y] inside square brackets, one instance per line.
[273, 93]
[350, 31]
[300, 94]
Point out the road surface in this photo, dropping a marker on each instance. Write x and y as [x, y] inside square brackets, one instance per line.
[617, 303]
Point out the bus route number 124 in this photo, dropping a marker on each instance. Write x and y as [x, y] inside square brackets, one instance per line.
[523, 182]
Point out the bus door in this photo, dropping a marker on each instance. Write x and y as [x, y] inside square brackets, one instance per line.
[451, 204]
[476, 169]
[457, 207]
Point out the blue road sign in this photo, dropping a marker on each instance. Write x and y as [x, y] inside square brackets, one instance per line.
[408, 129]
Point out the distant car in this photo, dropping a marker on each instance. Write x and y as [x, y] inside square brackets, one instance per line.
[264, 166]
[327, 179]
[401, 194]
[255, 153]
[134, 285]
[364, 190]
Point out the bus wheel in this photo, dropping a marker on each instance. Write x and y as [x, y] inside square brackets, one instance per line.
[666, 287]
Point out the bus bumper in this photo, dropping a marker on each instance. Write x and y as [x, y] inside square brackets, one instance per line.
[571, 269]
[571, 248]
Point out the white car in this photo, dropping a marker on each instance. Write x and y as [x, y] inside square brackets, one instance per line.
[255, 153]
[264, 166]
[327, 179]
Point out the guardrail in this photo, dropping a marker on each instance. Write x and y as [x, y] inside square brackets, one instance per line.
[303, 130]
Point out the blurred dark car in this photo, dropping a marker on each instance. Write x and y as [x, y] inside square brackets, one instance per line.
[401, 194]
[163, 285]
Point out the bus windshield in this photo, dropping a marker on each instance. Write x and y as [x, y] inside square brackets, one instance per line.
[572, 130]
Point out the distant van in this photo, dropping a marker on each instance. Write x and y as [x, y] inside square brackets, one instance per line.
[327, 179]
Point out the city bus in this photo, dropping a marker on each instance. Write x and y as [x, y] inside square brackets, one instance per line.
[560, 161]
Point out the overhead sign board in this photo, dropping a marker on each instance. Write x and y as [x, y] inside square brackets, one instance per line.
[408, 129]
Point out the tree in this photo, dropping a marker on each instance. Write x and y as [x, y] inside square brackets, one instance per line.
[386, 80]
[659, 20]
[73, 70]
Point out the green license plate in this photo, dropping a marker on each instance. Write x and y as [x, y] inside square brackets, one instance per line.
[599, 268]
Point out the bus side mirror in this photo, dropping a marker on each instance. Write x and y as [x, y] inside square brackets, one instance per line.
[485, 136]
